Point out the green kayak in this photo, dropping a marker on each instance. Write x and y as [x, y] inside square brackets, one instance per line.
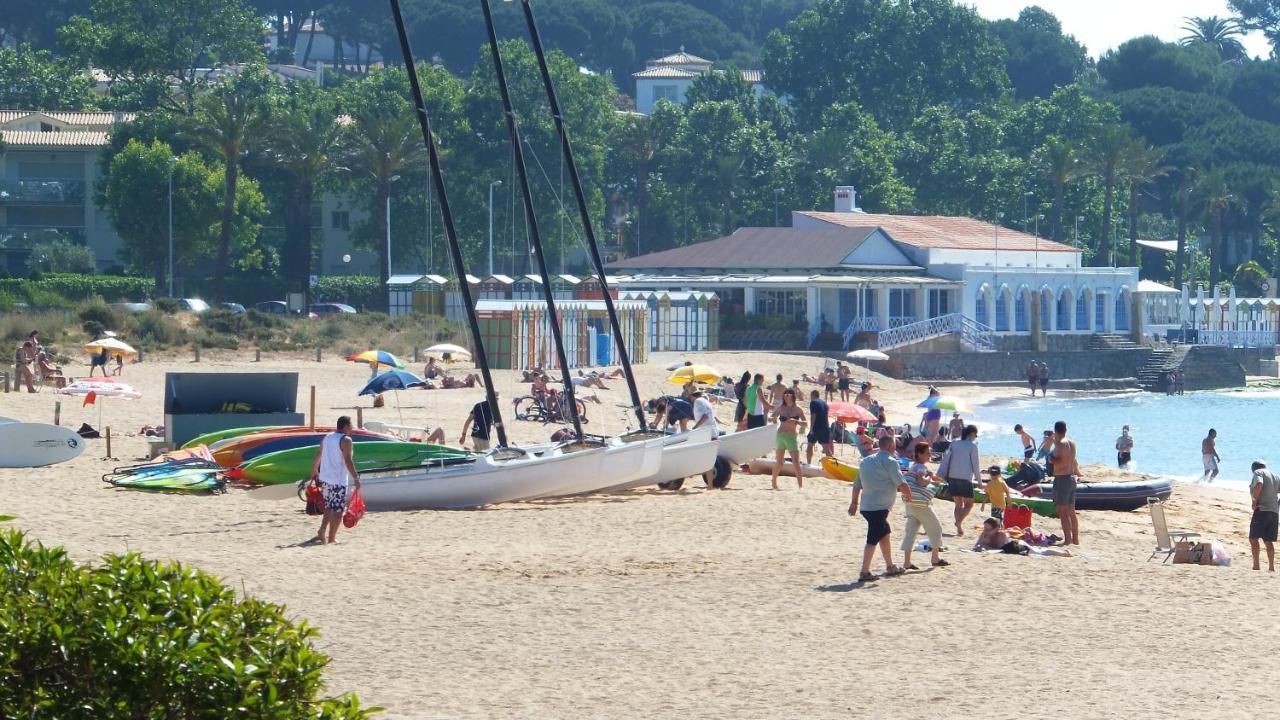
[287, 466]
[213, 437]
[1042, 506]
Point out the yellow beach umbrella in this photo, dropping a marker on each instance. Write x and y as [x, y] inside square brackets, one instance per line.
[111, 346]
[704, 374]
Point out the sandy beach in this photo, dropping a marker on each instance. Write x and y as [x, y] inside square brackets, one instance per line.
[692, 604]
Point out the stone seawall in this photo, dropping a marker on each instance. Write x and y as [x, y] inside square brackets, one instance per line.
[1012, 366]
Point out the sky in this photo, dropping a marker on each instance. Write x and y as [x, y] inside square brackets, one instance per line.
[1103, 24]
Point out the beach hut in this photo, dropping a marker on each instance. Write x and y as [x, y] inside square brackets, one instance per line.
[565, 287]
[527, 287]
[495, 287]
[517, 333]
[400, 294]
[453, 309]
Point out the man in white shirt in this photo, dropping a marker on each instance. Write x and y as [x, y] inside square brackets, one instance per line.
[705, 414]
[333, 471]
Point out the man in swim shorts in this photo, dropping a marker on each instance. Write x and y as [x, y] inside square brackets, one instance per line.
[1209, 454]
[1266, 504]
[1066, 475]
[1124, 448]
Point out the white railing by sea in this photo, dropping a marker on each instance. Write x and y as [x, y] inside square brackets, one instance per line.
[1239, 338]
[866, 324]
[973, 335]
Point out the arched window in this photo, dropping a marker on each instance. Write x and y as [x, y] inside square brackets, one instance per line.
[1021, 323]
[1064, 310]
[1002, 311]
[1122, 310]
[980, 306]
[1082, 311]
[1046, 310]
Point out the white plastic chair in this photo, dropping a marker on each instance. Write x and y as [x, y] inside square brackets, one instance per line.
[1166, 539]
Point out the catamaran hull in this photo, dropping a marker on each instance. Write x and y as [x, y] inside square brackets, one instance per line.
[623, 463]
[746, 445]
[683, 455]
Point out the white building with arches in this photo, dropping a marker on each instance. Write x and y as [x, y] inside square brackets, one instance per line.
[901, 280]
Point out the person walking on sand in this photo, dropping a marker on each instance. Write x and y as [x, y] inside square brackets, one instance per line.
[1028, 442]
[740, 392]
[1265, 491]
[775, 391]
[757, 404]
[479, 422]
[1124, 448]
[1033, 377]
[881, 477]
[843, 375]
[22, 360]
[333, 470]
[960, 469]
[919, 514]
[1209, 454]
[1066, 476]
[790, 420]
[819, 427]
[1044, 380]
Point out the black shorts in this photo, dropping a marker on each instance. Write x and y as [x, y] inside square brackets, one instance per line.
[1028, 453]
[1044, 382]
[739, 412]
[1263, 525]
[1123, 458]
[877, 525]
[960, 488]
[755, 421]
[844, 383]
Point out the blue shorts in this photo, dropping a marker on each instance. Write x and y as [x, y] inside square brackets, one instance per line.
[335, 497]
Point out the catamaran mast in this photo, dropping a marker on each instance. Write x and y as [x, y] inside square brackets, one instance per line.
[535, 236]
[592, 247]
[451, 235]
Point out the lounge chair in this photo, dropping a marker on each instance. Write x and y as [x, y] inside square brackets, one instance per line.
[1166, 539]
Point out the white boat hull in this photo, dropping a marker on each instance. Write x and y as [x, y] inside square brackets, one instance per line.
[745, 445]
[623, 463]
[683, 455]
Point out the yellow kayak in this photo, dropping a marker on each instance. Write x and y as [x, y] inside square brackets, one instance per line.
[837, 470]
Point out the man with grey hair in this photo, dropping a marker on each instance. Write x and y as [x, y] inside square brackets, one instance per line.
[1265, 491]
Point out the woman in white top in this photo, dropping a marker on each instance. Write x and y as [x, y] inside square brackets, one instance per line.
[961, 470]
[333, 471]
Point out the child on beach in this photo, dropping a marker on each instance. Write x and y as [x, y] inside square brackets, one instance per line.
[997, 491]
[1028, 442]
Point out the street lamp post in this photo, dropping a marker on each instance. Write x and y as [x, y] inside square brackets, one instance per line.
[172, 162]
[776, 192]
[492, 185]
[1025, 197]
[388, 223]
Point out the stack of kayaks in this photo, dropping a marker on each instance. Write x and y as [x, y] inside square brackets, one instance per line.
[213, 437]
[191, 475]
[294, 464]
[233, 451]
[1042, 505]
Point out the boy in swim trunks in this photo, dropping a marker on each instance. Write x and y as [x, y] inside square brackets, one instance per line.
[1028, 442]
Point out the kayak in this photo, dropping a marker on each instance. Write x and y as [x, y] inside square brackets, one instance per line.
[765, 467]
[1042, 506]
[213, 437]
[1117, 496]
[839, 470]
[293, 465]
[232, 452]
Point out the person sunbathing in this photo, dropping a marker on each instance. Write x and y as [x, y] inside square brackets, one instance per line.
[470, 381]
[591, 381]
[994, 537]
[48, 371]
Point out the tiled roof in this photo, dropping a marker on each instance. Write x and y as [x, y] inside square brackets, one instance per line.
[942, 232]
[680, 58]
[67, 138]
[70, 118]
[664, 73]
[758, 248]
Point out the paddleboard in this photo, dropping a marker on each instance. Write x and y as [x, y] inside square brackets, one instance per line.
[37, 444]
[765, 467]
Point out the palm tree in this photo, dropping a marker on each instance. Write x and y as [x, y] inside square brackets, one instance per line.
[1106, 159]
[642, 139]
[380, 143]
[1141, 167]
[1185, 194]
[301, 140]
[1221, 33]
[224, 121]
[1060, 163]
[1217, 200]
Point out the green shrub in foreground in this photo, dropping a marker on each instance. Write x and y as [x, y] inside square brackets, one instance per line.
[140, 639]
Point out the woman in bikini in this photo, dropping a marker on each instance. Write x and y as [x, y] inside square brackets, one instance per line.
[791, 420]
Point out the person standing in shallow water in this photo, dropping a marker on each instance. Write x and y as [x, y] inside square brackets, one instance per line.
[1044, 380]
[1209, 455]
[1124, 448]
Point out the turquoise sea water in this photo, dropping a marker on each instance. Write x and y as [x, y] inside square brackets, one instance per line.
[1167, 430]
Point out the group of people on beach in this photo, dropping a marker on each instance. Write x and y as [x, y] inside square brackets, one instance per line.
[1038, 377]
[31, 364]
[1175, 382]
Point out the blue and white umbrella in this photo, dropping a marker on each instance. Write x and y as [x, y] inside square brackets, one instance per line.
[395, 380]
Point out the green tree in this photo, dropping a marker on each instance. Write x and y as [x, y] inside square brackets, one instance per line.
[893, 59]
[1039, 57]
[1058, 161]
[1221, 34]
[1185, 194]
[227, 120]
[1249, 278]
[61, 256]
[1107, 157]
[37, 23]
[849, 144]
[1142, 166]
[1148, 60]
[38, 80]
[635, 149]
[150, 43]
[1263, 15]
[1255, 89]
[1217, 200]
[718, 85]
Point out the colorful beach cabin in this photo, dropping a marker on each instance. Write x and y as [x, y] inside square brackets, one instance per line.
[495, 287]
[453, 307]
[680, 321]
[417, 294]
[517, 333]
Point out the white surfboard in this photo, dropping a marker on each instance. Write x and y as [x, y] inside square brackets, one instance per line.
[37, 444]
[4, 420]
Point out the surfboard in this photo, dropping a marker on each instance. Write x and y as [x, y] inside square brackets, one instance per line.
[4, 420]
[37, 444]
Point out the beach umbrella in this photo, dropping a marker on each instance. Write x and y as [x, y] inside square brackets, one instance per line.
[943, 402]
[93, 390]
[374, 358]
[696, 374]
[111, 346]
[449, 349]
[867, 355]
[394, 380]
[849, 412]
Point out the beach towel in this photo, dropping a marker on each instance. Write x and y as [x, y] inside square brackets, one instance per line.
[355, 510]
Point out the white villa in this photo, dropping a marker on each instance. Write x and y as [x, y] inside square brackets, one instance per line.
[900, 279]
[669, 78]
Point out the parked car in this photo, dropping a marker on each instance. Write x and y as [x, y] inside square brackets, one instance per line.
[236, 308]
[324, 310]
[272, 307]
[133, 308]
[193, 305]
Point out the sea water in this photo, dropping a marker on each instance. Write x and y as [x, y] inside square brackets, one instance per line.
[1166, 429]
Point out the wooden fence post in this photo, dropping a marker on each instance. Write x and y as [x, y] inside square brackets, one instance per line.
[108, 443]
[313, 405]
[57, 412]
[197, 354]
[359, 417]
[257, 355]
[317, 354]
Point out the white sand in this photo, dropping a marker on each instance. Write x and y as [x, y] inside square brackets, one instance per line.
[693, 604]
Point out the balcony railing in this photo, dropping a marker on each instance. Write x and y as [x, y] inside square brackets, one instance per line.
[43, 192]
[973, 335]
[865, 324]
[24, 237]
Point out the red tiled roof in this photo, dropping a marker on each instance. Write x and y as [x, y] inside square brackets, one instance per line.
[943, 232]
[758, 248]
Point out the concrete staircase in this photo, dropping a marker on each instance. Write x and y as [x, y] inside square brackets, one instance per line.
[1204, 367]
[1151, 376]
[828, 342]
[1103, 341]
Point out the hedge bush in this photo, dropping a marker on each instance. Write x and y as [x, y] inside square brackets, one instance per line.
[359, 291]
[111, 288]
[140, 639]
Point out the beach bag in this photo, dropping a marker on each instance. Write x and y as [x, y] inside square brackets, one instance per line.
[1017, 516]
[355, 510]
[315, 500]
